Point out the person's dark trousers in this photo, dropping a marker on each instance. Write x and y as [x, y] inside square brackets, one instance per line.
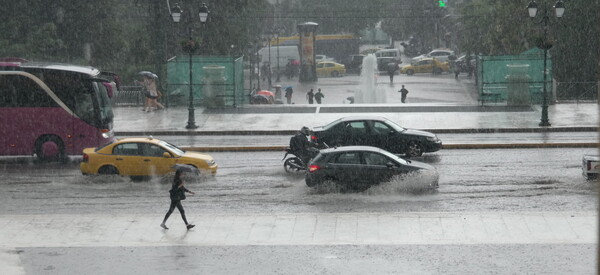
[172, 208]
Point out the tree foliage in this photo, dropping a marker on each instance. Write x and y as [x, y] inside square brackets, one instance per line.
[504, 28]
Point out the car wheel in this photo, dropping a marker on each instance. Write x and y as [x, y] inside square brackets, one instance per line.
[139, 178]
[335, 74]
[591, 176]
[414, 149]
[293, 165]
[410, 72]
[437, 71]
[108, 170]
[50, 148]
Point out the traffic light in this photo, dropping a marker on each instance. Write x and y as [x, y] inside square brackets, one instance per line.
[442, 3]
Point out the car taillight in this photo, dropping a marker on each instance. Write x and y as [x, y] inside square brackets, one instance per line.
[313, 137]
[313, 168]
[86, 157]
[589, 165]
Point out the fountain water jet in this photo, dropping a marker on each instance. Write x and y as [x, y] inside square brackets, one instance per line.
[369, 91]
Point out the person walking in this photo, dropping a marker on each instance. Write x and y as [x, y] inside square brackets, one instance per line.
[403, 93]
[319, 96]
[392, 67]
[152, 93]
[288, 94]
[310, 95]
[177, 195]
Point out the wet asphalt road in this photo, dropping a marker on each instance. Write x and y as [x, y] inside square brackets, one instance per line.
[503, 180]
[255, 182]
[447, 138]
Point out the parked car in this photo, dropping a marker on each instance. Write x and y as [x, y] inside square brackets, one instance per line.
[359, 166]
[394, 53]
[141, 157]
[383, 62]
[330, 68]
[322, 57]
[354, 63]
[426, 65]
[378, 132]
[591, 166]
[442, 55]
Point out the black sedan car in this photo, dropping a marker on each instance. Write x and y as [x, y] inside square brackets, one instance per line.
[377, 132]
[359, 166]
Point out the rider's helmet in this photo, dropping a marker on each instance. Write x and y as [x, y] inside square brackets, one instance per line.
[304, 130]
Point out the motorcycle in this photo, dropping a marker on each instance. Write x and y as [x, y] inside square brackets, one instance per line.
[295, 164]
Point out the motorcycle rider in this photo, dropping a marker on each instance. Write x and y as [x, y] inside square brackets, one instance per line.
[299, 145]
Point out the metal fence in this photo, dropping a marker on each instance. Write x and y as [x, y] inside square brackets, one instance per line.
[577, 91]
[128, 96]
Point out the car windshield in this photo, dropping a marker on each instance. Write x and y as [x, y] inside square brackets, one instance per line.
[333, 123]
[176, 150]
[394, 157]
[395, 126]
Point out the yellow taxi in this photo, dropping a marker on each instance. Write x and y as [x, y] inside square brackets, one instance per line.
[142, 157]
[426, 65]
[330, 68]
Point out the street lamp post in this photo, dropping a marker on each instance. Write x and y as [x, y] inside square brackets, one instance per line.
[191, 46]
[559, 9]
[278, 69]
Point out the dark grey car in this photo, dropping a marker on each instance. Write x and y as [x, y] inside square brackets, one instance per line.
[378, 132]
[358, 166]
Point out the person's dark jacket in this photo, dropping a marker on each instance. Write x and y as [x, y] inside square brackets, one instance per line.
[177, 192]
[299, 143]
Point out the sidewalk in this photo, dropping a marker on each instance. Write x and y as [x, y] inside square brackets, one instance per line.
[284, 119]
[301, 229]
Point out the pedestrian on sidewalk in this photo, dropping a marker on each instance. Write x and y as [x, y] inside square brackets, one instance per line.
[310, 95]
[392, 67]
[319, 96]
[151, 92]
[177, 194]
[403, 93]
[288, 94]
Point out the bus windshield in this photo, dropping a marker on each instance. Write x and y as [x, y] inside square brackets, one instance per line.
[83, 95]
[104, 104]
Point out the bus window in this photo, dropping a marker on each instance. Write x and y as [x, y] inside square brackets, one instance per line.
[20, 91]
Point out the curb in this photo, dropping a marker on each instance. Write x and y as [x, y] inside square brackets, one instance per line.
[445, 146]
[293, 132]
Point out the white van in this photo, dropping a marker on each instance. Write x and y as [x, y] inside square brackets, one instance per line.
[285, 54]
[394, 53]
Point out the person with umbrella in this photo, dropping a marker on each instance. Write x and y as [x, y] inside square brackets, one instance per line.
[177, 194]
[150, 91]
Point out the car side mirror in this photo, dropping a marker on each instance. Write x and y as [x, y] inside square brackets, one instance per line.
[166, 155]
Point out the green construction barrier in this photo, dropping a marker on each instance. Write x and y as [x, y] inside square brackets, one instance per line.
[497, 74]
[217, 81]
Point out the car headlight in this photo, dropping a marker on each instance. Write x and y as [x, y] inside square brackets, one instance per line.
[433, 139]
[211, 162]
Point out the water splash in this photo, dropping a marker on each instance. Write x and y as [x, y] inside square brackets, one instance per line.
[369, 91]
[417, 182]
[413, 183]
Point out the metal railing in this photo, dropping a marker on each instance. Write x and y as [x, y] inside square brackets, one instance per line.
[128, 96]
[577, 91]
